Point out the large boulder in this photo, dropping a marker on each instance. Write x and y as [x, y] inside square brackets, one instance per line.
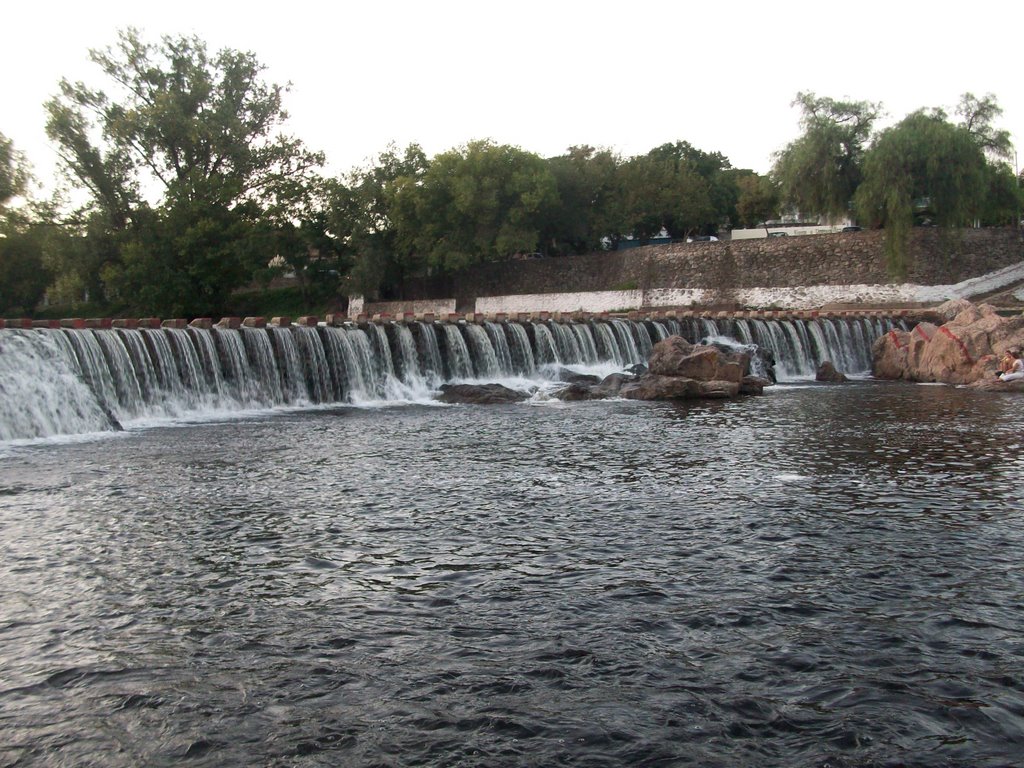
[963, 350]
[480, 394]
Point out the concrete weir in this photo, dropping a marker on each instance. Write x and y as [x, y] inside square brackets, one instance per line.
[115, 370]
[338, 320]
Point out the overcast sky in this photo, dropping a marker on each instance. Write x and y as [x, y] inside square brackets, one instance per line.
[626, 75]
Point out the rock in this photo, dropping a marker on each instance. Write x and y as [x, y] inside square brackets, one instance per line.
[571, 377]
[827, 372]
[480, 394]
[754, 385]
[963, 350]
[612, 384]
[575, 392]
[637, 370]
[651, 386]
[993, 384]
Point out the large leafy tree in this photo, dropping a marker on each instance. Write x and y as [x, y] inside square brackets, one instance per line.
[588, 202]
[758, 199]
[923, 164]
[482, 202]
[196, 137]
[819, 172]
[661, 190]
[23, 237]
[361, 215]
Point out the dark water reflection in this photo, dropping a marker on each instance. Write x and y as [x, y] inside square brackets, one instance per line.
[823, 575]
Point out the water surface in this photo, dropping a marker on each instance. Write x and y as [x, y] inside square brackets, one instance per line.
[825, 575]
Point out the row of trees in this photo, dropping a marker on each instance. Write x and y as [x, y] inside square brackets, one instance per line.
[194, 189]
[925, 169]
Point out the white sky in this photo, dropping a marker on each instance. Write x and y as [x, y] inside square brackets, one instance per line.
[627, 75]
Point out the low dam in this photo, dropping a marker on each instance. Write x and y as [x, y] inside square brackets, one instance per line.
[96, 375]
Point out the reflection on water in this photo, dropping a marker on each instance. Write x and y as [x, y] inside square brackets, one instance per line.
[823, 575]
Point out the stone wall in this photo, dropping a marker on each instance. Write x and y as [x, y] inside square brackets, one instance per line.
[719, 269]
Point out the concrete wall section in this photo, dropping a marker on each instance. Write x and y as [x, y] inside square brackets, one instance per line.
[594, 301]
[796, 297]
[937, 257]
[439, 307]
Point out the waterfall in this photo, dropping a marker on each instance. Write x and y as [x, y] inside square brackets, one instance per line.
[122, 372]
[624, 334]
[429, 355]
[260, 353]
[568, 346]
[64, 381]
[545, 349]
[499, 343]
[585, 342]
[459, 363]
[520, 349]
[42, 389]
[485, 362]
[608, 345]
[317, 372]
[93, 367]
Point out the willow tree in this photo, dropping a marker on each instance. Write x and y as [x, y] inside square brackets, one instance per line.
[922, 165]
[820, 171]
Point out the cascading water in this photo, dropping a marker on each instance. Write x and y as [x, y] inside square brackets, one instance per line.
[459, 363]
[63, 381]
[485, 362]
[520, 349]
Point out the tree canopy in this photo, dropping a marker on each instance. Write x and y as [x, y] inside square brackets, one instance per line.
[922, 164]
[195, 189]
[200, 133]
[819, 172]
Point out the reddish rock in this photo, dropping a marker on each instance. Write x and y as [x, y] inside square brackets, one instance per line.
[961, 351]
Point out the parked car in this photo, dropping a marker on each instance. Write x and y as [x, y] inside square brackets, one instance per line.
[702, 239]
[851, 229]
[776, 234]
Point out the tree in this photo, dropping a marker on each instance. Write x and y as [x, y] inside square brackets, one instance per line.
[661, 191]
[586, 209]
[923, 164]
[978, 115]
[819, 172]
[14, 174]
[758, 199]
[482, 202]
[361, 215]
[200, 135]
[23, 276]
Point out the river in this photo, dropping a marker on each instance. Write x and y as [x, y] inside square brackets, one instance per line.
[826, 575]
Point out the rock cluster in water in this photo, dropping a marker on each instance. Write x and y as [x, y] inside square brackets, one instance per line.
[677, 370]
[963, 350]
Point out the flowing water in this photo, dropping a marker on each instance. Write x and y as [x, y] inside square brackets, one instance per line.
[820, 576]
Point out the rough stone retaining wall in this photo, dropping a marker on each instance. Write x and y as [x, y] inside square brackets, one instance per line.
[937, 257]
[800, 297]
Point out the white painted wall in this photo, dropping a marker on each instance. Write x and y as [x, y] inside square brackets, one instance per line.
[799, 297]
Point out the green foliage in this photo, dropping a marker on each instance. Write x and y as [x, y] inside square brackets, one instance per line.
[482, 202]
[23, 276]
[360, 214]
[978, 115]
[758, 200]
[819, 172]
[662, 189]
[588, 204]
[200, 133]
[922, 164]
[14, 175]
